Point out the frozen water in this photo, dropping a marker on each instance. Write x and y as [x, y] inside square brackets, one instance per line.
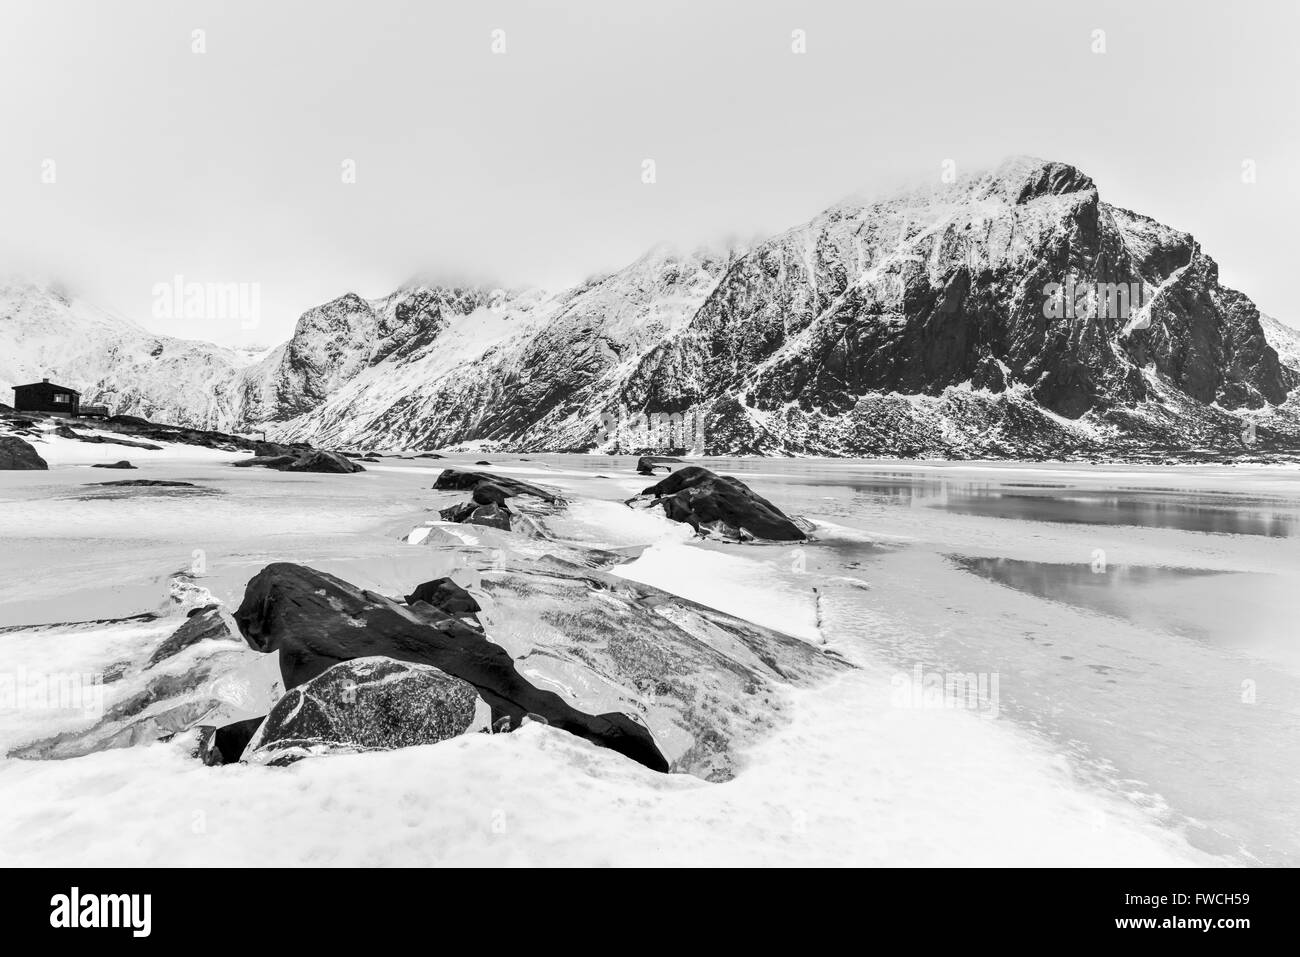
[1143, 712]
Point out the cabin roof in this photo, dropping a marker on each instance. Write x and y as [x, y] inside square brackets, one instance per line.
[46, 385]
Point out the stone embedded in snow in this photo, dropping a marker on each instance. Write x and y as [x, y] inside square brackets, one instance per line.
[445, 594]
[226, 744]
[458, 512]
[489, 493]
[493, 516]
[146, 483]
[124, 464]
[315, 621]
[456, 479]
[314, 460]
[205, 623]
[266, 461]
[17, 454]
[721, 504]
[321, 461]
[366, 704]
[66, 432]
[708, 685]
[647, 464]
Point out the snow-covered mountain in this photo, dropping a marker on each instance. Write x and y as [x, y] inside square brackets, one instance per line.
[45, 333]
[1009, 314]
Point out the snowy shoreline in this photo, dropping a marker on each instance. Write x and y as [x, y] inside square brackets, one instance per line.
[848, 778]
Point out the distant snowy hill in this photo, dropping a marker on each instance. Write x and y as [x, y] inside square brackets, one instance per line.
[111, 360]
[919, 324]
[1284, 339]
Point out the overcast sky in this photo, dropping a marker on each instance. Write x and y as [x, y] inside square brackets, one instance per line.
[526, 166]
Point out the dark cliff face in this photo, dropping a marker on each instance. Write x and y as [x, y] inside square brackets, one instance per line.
[1010, 314]
[828, 315]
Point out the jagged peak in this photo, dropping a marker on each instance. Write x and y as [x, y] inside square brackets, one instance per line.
[1015, 180]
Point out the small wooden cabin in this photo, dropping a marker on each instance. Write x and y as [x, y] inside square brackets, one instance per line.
[45, 396]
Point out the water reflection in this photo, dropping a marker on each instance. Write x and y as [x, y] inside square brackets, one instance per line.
[1216, 514]
[1132, 592]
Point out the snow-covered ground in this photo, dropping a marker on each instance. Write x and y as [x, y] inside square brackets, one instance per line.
[1121, 733]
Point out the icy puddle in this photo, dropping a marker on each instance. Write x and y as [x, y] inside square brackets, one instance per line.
[1144, 715]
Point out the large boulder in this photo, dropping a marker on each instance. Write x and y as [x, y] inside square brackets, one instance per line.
[445, 594]
[311, 460]
[366, 704]
[66, 432]
[320, 461]
[18, 454]
[266, 461]
[458, 480]
[490, 493]
[124, 464]
[458, 512]
[721, 504]
[708, 685]
[226, 744]
[203, 624]
[647, 464]
[315, 621]
[493, 516]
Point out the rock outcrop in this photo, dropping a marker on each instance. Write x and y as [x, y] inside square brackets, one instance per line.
[18, 454]
[365, 704]
[721, 505]
[315, 621]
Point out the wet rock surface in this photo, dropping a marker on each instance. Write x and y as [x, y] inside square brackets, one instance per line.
[366, 704]
[17, 454]
[722, 505]
[315, 621]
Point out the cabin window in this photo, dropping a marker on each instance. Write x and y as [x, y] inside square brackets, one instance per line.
[61, 398]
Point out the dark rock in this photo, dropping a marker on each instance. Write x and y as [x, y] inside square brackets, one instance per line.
[366, 704]
[124, 464]
[494, 516]
[323, 462]
[428, 455]
[706, 684]
[647, 464]
[203, 624]
[489, 493]
[268, 449]
[445, 594]
[315, 620]
[225, 745]
[702, 499]
[482, 462]
[17, 454]
[144, 483]
[468, 481]
[457, 513]
[66, 432]
[313, 460]
[267, 461]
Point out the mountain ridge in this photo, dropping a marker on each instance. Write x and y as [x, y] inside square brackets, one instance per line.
[915, 324]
